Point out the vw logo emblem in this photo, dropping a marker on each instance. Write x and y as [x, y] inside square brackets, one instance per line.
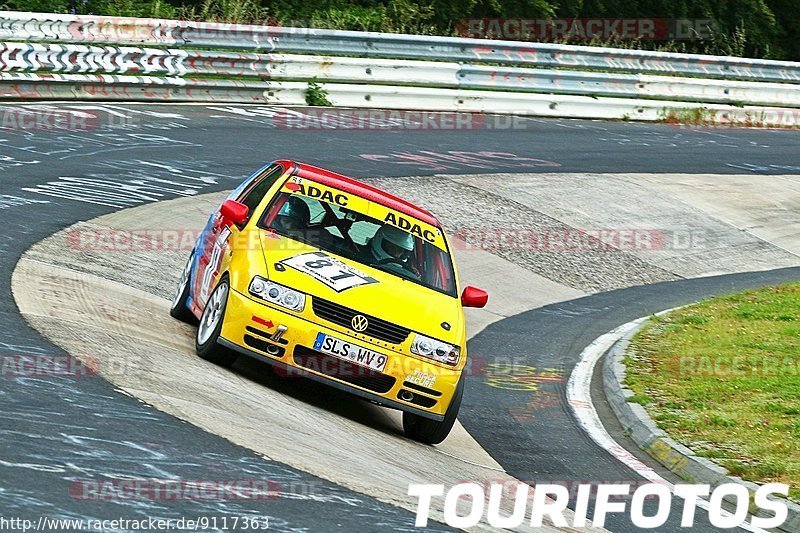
[359, 323]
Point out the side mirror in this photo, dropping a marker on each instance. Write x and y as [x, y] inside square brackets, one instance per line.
[235, 212]
[474, 297]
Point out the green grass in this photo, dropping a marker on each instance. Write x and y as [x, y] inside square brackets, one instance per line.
[723, 378]
[316, 95]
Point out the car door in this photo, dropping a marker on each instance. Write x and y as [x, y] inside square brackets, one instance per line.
[215, 243]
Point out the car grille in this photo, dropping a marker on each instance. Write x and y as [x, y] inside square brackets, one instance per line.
[334, 367]
[341, 315]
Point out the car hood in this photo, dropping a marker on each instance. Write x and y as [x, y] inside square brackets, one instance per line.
[385, 296]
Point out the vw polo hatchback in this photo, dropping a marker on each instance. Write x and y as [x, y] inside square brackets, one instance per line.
[334, 280]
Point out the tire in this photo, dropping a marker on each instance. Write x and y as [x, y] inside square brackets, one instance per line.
[211, 325]
[430, 431]
[179, 308]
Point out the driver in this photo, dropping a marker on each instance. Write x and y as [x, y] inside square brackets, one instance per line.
[391, 245]
[294, 217]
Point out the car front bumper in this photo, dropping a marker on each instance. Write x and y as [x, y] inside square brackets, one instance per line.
[249, 326]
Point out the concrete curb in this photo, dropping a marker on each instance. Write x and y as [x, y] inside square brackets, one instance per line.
[671, 454]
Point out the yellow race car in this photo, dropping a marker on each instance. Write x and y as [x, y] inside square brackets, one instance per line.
[331, 279]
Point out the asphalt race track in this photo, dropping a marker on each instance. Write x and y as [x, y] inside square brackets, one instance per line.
[58, 431]
[550, 338]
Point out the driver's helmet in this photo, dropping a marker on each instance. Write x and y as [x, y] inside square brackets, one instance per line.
[391, 242]
[294, 215]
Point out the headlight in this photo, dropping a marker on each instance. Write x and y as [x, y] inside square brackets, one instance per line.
[436, 350]
[277, 294]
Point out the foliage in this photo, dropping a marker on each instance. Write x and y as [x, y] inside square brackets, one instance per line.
[316, 95]
[225, 11]
[750, 28]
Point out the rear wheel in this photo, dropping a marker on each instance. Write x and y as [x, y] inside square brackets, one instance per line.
[210, 327]
[430, 431]
[179, 309]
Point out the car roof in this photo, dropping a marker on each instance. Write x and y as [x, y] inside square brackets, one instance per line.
[353, 186]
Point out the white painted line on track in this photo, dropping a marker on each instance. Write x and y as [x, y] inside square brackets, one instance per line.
[579, 398]
[580, 401]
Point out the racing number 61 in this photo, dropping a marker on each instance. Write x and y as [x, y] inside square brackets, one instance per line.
[322, 263]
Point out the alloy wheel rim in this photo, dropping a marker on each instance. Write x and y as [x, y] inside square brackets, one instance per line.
[212, 314]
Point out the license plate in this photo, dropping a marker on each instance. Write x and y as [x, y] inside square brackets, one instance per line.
[350, 352]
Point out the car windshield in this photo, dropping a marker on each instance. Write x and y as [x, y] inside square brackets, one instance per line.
[355, 235]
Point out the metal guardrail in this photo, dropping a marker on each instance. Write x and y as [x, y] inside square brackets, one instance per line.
[148, 88]
[153, 58]
[75, 59]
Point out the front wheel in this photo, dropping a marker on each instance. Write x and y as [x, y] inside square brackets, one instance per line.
[430, 431]
[210, 327]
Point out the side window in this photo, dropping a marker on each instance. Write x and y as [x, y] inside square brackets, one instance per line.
[253, 195]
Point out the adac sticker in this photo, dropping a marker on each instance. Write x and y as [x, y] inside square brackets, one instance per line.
[336, 274]
[416, 228]
[318, 192]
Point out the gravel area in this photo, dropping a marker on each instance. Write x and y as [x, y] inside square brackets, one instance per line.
[470, 211]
